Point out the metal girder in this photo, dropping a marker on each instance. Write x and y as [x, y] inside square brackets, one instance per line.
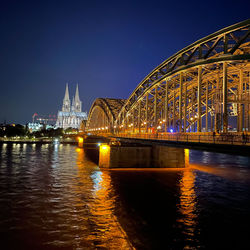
[203, 79]
[191, 49]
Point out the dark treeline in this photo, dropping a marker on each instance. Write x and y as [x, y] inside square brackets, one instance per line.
[20, 130]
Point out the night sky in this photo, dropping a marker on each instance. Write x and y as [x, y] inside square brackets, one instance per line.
[108, 47]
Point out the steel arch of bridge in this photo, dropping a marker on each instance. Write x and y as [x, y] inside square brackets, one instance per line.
[103, 114]
[203, 87]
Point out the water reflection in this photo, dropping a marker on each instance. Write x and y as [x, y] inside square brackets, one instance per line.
[108, 233]
[55, 198]
[97, 178]
[187, 205]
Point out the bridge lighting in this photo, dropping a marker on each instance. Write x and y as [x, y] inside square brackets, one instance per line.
[106, 127]
[145, 122]
[160, 122]
[164, 120]
[104, 148]
[80, 139]
[159, 127]
[191, 119]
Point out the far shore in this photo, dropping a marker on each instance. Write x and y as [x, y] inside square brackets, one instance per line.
[38, 141]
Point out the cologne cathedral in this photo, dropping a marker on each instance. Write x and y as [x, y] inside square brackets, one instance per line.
[71, 115]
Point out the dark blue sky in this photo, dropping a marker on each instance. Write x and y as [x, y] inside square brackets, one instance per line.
[108, 47]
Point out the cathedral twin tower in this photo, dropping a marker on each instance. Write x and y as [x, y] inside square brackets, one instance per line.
[76, 103]
[71, 114]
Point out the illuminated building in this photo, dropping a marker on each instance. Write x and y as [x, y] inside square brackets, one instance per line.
[71, 115]
[34, 126]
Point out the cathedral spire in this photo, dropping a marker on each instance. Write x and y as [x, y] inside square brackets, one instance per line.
[78, 103]
[66, 97]
[77, 94]
[66, 100]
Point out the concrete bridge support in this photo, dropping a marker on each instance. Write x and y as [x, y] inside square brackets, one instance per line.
[141, 157]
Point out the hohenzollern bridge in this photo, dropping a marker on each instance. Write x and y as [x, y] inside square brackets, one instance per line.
[201, 90]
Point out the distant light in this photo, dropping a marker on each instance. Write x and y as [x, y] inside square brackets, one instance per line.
[98, 144]
[171, 130]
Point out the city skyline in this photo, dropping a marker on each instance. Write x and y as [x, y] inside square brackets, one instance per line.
[107, 48]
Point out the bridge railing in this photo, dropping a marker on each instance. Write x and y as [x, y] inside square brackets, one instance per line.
[233, 139]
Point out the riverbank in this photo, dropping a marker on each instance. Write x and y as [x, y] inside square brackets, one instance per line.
[38, 141]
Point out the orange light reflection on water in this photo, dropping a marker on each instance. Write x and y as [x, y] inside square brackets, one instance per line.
[108, 232]
[187, 204]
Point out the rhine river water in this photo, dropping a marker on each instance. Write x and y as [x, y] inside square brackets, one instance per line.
[53, 197]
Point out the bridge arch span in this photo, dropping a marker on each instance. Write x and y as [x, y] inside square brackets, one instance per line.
[200, 88]
[204, 87]
[103, 114]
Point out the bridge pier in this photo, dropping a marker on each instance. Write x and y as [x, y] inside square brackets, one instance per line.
[141, 157]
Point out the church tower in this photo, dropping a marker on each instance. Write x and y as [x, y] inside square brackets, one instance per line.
[78, 103]
[71, 115]
[66, 100]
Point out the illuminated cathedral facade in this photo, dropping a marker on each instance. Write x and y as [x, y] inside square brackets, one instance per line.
[71, 115]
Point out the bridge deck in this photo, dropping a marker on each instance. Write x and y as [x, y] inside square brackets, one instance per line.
[222, 139]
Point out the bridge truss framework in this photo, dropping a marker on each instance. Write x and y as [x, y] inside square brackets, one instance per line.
[205, 87]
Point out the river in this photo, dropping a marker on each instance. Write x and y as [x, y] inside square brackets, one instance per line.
[54, 197]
